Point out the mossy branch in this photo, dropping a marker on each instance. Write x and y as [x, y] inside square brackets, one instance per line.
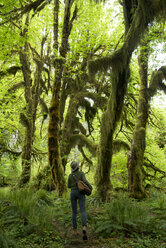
[16, 86]
[44, 112]
[82, 128]
[101, 64]
[12, 70]
[145, 12]
[43, 106]
[156, 81]
[24, 120]
[73, 18]
[119, 145]
[5, 149]
[82, 140]
[152, 166]
[17, 13]
[85, 157]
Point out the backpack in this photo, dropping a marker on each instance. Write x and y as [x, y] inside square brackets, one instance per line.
[82, 187]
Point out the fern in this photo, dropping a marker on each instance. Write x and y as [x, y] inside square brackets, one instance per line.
[6, 241]
[103, 227]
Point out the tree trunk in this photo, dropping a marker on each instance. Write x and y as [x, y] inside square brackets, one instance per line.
[26, 157]
[32, 96]
[55, 162]
[26, 120]
[68, 127]
[108, 124]
[57, 170]
[136, 155]
[119, 61]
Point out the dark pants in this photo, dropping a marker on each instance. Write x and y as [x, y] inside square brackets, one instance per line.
[74, 196]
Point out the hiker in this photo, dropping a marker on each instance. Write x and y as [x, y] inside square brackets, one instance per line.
[76, 195]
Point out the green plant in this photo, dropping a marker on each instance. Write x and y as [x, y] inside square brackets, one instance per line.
[6, 241]
[130, 217]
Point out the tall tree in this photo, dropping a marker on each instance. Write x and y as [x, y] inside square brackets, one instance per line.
[119, 61]
[54, 110]
[84, 97]
[31, 63]
[136, 160]
[33, 90]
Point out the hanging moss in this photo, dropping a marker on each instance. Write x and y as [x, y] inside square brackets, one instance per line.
[129, 7]
[83, 141]
[101, 64]
[115, 61]
[119, 145]
[12, 70]
[156, 81]
[152, 8]
[118, 62]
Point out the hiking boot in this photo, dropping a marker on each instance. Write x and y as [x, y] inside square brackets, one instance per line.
[84, 235]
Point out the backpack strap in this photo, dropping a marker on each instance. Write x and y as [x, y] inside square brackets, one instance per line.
[75, 177]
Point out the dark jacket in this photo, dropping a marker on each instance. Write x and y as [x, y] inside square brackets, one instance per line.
[81, 176]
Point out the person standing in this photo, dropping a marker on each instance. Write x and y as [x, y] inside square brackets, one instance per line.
[75, 196]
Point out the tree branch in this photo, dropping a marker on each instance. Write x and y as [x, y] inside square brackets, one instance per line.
[16, 13]
[16, 86]
[12, 70]
[149, 164]
[156, 81]
[85, 157]
[80, 139]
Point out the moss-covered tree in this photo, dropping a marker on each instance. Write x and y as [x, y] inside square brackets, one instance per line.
[136, 160]
[33, 89]
[30, 61]
[119, 61]
[57, 170]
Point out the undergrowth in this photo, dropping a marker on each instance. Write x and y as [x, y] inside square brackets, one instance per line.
[26, 217]
[41, 219]
[140, 221]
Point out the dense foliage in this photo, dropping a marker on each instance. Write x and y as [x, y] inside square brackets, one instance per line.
[82, 80]
[37, 219]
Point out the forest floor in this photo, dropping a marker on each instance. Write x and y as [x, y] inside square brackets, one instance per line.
[75, 241]
[69, 240]
[39, 220]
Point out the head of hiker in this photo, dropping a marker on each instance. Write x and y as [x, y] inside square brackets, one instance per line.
[74, 166]
[75, 196]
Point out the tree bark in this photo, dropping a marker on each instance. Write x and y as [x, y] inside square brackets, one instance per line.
[26, 120]
[68, 128]
[32, 95]
[108, 124]
[136, 155]
[55, 162]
